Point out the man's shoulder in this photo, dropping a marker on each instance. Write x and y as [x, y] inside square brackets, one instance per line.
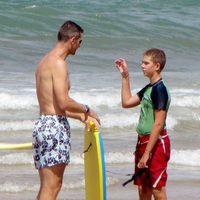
[59, 62]
[52, 62]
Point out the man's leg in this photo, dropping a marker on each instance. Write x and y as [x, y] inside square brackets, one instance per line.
[145, 193]
[159, 193]
[50, 181]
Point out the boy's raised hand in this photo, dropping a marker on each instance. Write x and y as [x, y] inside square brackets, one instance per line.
[122, 66]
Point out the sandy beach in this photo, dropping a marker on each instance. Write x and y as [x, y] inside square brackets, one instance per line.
[179, 187]
[182, 185]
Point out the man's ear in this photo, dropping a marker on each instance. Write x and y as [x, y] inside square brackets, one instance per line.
[72, 39]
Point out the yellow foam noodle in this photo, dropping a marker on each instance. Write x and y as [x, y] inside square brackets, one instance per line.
[15, 146]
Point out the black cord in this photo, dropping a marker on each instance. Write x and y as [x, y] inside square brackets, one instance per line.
[87, 148]
[135, 176]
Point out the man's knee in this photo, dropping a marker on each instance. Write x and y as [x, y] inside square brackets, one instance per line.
[55, 185]
[52, 187]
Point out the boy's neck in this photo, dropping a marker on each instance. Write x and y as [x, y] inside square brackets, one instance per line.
[154, 79]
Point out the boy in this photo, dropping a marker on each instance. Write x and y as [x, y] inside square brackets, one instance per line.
[153, 146]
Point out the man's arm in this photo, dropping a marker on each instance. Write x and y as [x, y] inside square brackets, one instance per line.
[64, 101]
[83, 118]
[79, 116]
[60, 86]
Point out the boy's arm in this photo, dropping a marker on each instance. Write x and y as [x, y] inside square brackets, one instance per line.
[160, 116]
[126, 97]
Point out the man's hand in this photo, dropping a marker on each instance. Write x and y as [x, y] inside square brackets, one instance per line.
[87, 123]
[92, 114]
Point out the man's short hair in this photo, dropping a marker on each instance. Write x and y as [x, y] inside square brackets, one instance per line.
[68, 30]
[157, 56]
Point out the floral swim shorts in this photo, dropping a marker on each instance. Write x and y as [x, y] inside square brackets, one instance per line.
[51, 141]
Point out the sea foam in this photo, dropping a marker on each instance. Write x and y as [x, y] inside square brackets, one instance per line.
[178, 157]
[118, 120]
[96, 99]
[16, 102]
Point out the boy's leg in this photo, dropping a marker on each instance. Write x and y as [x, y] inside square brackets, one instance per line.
[158, 167]
[159, 193]
[145, 193]
[50, 181]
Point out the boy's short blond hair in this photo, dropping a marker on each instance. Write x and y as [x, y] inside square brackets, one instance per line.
[157, 56]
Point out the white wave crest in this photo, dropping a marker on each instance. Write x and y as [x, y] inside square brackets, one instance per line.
[95, 99]
[178, 157]
[98, 99]
[186, 101]
[32, 6]
[171, 122]
[17, 188]
[185, 97]
[185, 157]
[20, 158]
[183, 91]
[118, 158]
[16, 125]
[196, 116]
[26, 158]
[74, 185]
[11, 101]
[120, 120]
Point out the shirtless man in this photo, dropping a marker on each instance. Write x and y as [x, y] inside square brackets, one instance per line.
[51, 134]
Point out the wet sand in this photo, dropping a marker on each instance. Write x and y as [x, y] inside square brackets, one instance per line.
[183, 184]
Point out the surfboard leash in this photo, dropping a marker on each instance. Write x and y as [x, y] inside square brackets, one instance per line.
[134, 176]
[88, 148]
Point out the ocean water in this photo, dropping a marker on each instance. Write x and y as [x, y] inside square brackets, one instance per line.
[115, 28]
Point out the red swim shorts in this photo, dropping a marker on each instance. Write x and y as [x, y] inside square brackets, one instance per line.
[156, 174]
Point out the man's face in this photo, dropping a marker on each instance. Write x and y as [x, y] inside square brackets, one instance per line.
[75, 44]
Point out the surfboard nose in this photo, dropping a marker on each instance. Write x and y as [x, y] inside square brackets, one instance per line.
[95, 176]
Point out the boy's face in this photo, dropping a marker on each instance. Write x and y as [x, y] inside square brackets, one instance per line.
[149, 68]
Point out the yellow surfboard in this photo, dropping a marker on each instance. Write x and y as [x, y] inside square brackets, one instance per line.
[94, 164]
[15, 146]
